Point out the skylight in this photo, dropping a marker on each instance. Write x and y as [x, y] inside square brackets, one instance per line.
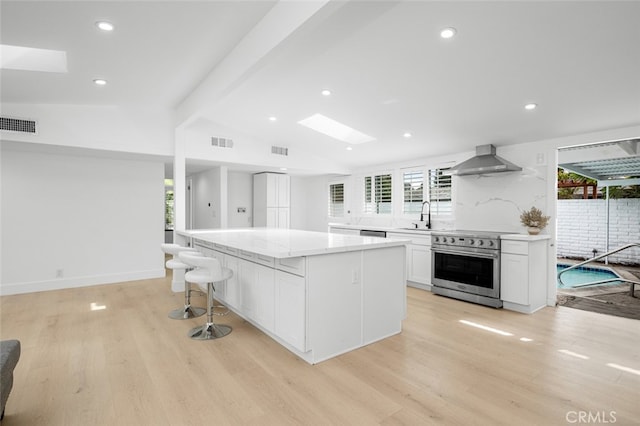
[32, 59]
[334, 129]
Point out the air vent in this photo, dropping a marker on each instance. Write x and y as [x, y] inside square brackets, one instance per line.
[222, 142]
[17, 125]
[279, 150]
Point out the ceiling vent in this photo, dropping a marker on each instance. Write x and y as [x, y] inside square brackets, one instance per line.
[222, 142]
[279, 150]
[17, 125]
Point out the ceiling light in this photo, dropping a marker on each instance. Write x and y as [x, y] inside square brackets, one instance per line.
[531, 106]
[272, 118]
[326, 92]
[334, 129]
[448, 32]
[104, 25]
[407, 135]
[349, 148]
[284, 169]
[100, 82]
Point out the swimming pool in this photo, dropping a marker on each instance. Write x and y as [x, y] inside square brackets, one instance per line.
[583, 275]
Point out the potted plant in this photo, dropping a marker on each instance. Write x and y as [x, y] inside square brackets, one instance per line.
[534, 220]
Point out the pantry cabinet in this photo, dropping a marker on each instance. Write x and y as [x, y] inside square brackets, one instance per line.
[271, 200]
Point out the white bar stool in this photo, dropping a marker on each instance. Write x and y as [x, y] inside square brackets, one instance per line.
[208, 271]
[176, 265]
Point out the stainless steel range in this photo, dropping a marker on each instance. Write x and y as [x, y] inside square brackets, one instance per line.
[466, 266]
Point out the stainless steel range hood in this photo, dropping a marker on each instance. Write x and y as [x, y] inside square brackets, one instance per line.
[485, 161]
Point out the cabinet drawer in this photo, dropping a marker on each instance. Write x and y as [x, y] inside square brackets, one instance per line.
[515, 247]
[418, 240]
[225, 249]
[293, 265]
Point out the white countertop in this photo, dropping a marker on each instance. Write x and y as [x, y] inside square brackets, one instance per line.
[283, 243]
[421, 231]
[525, 237]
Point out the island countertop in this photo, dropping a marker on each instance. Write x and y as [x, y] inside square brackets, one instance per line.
[284, 243]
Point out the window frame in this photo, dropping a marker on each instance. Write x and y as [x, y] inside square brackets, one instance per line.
[330, 211]
[371, 196]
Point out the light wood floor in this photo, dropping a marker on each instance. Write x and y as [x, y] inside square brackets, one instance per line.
[129, 364]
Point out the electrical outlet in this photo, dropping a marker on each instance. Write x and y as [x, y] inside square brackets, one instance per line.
[242, 209]
[59, 273]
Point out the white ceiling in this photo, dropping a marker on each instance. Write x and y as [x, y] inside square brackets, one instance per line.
[388, 69]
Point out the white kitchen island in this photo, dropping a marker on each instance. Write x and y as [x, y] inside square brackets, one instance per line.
[318, 294]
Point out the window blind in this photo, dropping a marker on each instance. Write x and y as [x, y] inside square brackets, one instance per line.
[413, 182]
[440, 193]
[336, 200]
[377, 194]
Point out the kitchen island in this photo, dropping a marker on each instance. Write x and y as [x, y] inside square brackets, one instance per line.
[318, 294]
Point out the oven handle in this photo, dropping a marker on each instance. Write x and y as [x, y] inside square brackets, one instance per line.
[492, 255]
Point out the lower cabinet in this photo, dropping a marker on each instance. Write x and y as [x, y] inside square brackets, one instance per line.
[418, 259]
[257, 290]
[523, 275]
[290, 311]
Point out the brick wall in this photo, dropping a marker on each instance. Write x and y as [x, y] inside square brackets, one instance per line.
[582, 226]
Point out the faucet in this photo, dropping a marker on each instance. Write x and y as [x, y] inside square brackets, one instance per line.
[428, 214]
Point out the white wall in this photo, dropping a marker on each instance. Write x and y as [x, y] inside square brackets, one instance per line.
[131, 130]
[240, 195]
[92, 220]
[582, 227]
[207, 205]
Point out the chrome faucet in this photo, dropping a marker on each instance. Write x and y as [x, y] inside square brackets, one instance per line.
[428, 214]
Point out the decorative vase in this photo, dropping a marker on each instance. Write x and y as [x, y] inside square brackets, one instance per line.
[533, 230]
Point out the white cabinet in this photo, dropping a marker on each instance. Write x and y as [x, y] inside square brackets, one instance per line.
[418, 259]
[257, 290]
[232, 294]
[523, 271]
[271, 200]
[290, 309]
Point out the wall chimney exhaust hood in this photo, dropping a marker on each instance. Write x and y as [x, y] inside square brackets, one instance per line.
[485, 161]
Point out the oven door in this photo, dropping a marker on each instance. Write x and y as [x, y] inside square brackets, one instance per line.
[468, 270]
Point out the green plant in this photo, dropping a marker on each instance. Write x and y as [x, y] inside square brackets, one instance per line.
[534, 218]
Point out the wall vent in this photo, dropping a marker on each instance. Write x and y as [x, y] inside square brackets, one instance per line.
[222, 142]
[279, 150]
[17, 125]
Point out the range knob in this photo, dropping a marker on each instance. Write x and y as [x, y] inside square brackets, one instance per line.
[453, 240]
[481, 242]
[471, 242]
[490, 243]
[436, 239]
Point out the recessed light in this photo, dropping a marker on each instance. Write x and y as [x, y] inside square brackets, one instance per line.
[326, 92]
[104, 25]
[448, 32]
[284, 169]
[531, 106]
[100, 82]
[349, 148]
[272, 118]
[407, 135]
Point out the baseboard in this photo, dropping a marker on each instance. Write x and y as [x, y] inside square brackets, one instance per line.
[77, 282]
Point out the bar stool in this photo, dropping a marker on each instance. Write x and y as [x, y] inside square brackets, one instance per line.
[208, 271]
[176, 265]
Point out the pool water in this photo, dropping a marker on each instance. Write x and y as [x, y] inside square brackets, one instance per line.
[585, 274]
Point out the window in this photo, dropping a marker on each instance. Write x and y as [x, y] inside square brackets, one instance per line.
[440, 193]
[413, 182]
[168, 204]
[336, 200]
[377, 194]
